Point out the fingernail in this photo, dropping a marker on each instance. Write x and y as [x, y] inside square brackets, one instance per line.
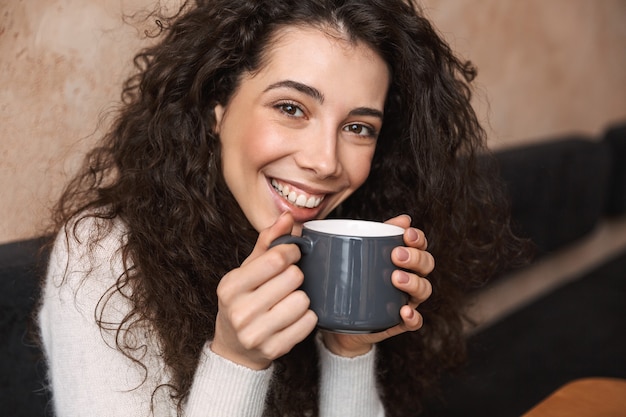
[402, 254]
[412, 234]
[403, 277]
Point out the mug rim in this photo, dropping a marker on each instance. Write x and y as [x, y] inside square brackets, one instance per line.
[353, 227]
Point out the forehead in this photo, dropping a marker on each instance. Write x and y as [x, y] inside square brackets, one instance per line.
[303, 42]
[323, 57]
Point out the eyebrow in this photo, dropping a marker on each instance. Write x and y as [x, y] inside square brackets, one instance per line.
[317, 95]
[303, 88]
[367, 111]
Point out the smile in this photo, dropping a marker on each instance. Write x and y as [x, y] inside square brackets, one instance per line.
[296, 198]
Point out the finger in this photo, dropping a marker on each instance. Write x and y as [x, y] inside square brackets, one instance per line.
[415, 238]
[277, 331]
[282, 226]
[412, 237]
[246, 307]
[412, 320]
[276, 289]
[256, 333]
[418, 261]
[403, 221]
[418, 288]
[258, 271]
[282, 342]
[289, 310]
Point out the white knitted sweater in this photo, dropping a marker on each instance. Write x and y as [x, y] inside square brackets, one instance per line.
[89, 376]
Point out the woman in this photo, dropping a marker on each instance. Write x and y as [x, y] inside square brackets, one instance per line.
[246, 119]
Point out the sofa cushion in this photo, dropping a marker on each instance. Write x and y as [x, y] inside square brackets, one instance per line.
[557, 188]
[22, 369]
[615, 137]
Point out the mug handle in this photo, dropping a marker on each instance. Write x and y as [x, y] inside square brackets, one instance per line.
[305, 244]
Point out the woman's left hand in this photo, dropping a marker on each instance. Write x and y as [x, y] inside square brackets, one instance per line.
[413, 257]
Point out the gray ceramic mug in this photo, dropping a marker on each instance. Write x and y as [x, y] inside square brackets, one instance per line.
[347, 273]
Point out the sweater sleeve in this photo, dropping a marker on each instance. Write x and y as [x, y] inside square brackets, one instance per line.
[89, 376]
[227, 388]
[348, 385]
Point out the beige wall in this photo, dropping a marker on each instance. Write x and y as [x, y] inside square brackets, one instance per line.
[545, 68]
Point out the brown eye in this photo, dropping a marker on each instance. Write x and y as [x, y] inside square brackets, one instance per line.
[359, 129]
[291, 109]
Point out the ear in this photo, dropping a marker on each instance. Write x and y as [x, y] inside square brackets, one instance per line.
[218, 110]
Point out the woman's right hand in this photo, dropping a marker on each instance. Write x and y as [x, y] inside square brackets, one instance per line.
[262, 314]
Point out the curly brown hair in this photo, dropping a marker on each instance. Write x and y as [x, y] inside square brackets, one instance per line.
[158, 169]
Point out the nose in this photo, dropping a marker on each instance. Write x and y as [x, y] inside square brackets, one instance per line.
[319, 153]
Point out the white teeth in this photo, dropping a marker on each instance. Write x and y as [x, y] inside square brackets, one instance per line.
[299, 200]
[310, 203]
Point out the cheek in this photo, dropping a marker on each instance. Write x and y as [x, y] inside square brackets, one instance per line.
[359, 167]
[248, 144]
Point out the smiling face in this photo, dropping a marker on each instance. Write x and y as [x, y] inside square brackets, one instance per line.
[299, 134]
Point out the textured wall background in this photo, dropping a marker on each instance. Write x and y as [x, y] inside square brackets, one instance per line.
[545, 68]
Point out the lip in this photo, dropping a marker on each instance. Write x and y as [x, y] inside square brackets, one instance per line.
[300, 214]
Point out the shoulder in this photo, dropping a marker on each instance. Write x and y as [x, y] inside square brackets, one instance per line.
[86, 258]
[85, 275]
[88, 241]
